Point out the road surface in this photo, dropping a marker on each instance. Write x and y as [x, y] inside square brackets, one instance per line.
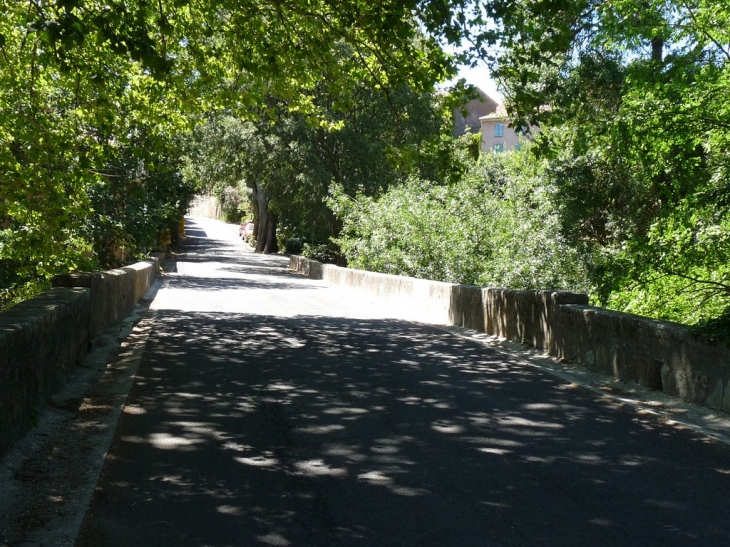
[270, 410]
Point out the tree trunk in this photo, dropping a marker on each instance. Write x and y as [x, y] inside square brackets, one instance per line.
[264, 221]
[657, 49]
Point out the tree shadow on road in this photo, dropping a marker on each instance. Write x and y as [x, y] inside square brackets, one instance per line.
[254, 430]
[199, 247]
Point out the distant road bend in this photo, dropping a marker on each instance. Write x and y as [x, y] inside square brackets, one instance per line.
[270, 410]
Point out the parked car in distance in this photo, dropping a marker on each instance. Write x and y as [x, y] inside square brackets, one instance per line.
[246, 229]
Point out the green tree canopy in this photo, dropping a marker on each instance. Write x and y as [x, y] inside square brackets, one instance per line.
[365, 142]
[632, 104]
[93, 97]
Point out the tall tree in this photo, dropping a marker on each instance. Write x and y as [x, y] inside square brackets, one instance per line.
[364, 143]
[629, 97]
[79, 78]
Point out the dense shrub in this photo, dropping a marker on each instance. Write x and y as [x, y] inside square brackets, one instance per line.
[293, 246]
[321, 253]
[497, 226]
[17, 292]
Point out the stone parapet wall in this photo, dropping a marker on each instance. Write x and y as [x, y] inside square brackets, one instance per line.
[528, 317]
[43, 339]
[114, 293]
[310, 268]
[657, 354]
[205, 206]
[420, 299]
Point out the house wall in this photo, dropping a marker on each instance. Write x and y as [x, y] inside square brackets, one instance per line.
[475, 109]
[509, 140]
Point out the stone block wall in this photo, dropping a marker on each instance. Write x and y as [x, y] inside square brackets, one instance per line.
[418, 299]
[657, 354]
[528, 317]
[310, 268]
[114, 293]
[44, 338]
[41, 341]
[467, 307]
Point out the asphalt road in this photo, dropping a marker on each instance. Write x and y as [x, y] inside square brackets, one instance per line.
[269, 410]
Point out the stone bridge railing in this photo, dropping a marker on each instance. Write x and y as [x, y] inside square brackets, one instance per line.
[657, 354]
[43, 339]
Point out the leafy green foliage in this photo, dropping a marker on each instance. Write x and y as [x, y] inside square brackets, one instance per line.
[211, 48]
[682, 272]
[139, 197]
[293, 246]
[716, 328]
[300, 100]
[366, 143]
[495, 227]
[633, 118]
[321, 253]
[93, 97]
[15, 293]
[87, 164]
